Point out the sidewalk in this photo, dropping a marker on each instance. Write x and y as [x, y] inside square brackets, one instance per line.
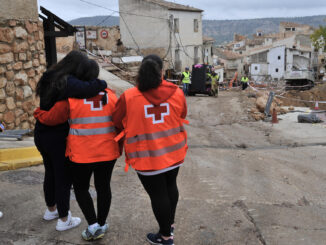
[16, 154]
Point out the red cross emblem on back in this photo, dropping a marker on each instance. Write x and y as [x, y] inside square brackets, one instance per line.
[95, 102]
[157, 113]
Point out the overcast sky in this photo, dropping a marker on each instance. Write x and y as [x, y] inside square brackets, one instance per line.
[213, 9]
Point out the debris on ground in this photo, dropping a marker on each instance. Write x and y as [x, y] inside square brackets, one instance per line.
[318, 93]
[309, 118]
[258, 108]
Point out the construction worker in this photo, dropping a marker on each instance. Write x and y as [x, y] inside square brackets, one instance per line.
[244, 82]
[91, 148]
[185, 78]
[208, 75]
[215, 83]
[151, 116]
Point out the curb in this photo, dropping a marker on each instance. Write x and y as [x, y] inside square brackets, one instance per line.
[14, 158]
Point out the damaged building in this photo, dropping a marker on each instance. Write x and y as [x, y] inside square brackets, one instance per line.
[172, 31]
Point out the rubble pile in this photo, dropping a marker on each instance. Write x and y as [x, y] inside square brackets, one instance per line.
[259, 104]
[318, 93]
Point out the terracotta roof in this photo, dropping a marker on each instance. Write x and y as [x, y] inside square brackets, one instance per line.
[175, 6]
[259, 50]
[238, 37]
[228, 55]
[292, 24]
[208, 39]
[255, 41]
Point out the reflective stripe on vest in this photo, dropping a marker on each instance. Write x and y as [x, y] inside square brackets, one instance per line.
[91, 131]
[91, 134]
[150, 145]
[155, 135]
[186, 78]
[157, 153]
[87, 120]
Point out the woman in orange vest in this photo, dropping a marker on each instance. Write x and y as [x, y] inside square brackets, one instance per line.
[151, 118]
[59, 82]
[91, 148]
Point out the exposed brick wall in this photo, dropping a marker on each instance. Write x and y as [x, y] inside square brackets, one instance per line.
[22, 62]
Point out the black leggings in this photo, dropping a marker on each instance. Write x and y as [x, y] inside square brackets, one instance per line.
[81, 176]
[163, 192]
[57, 179]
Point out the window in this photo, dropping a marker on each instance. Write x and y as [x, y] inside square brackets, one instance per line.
[293, 28]
[195, 25]
[301, 53]
[256, 68]
[196, 60]
[278, 57]
[176, 25]
[287, 29]
[276, 69]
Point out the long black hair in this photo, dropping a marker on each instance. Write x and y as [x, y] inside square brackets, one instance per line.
[150, 73]
[54, 80]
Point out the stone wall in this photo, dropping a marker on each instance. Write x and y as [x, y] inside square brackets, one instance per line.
[22, 62]
[19, 9]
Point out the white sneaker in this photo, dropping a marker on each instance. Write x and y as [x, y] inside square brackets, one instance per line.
[48, 215]
[1, 214]
[70, 223]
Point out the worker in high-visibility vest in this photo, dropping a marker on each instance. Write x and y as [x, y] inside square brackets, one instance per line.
[185, 78]
[215, 82]
[244, 82]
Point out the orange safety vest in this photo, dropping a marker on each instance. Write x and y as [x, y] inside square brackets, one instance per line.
[91, 134]
[154, 135]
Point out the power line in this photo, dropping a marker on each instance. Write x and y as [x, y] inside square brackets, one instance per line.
[105, 19]
[183, 48]
[120, 12]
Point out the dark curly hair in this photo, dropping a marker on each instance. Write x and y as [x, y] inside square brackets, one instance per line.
[150, 73]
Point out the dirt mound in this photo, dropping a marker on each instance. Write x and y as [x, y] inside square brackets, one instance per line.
[258, 108]
[318, 93]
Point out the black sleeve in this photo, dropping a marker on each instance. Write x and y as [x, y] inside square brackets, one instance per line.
[83, 89]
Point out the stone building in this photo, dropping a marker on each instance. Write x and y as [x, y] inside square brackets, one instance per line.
[22, 62]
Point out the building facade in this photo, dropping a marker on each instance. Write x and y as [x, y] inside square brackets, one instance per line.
[172, 31]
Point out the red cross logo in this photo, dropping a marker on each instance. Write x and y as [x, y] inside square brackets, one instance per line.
[95, 102]
[157, 113]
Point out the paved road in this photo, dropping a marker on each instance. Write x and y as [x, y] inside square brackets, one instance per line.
[243, 182]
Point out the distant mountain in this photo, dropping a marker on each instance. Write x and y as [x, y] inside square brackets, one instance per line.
[102, 20]
[220, 30]
[223, 30]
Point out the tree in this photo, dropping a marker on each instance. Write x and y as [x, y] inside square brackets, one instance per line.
[319, 38]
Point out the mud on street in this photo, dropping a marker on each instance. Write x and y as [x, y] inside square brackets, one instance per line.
[243, 182]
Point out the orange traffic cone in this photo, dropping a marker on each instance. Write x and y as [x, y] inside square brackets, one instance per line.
[274, 116]
[316, 106]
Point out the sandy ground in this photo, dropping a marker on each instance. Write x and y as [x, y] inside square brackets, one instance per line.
[243, 182]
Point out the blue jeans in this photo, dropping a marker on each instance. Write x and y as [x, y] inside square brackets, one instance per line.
[185, 88]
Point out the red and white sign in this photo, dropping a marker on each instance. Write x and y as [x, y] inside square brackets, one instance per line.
[104, 34]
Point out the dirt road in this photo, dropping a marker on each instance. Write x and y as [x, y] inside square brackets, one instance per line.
[243, 182]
